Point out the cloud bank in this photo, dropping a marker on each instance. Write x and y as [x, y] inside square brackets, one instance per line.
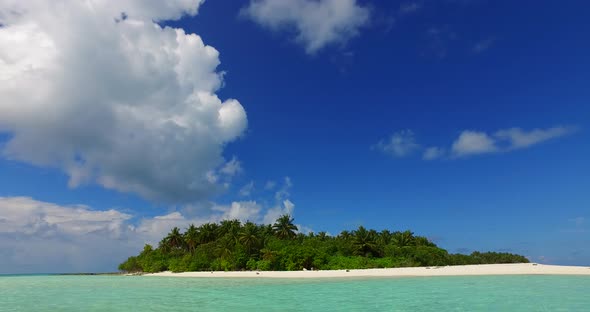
[100, 91]
[37, 236]
[316, 23]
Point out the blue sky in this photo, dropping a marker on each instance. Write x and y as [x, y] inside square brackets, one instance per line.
[465, 121]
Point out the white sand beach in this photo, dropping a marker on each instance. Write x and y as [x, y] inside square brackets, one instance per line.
[460, 270]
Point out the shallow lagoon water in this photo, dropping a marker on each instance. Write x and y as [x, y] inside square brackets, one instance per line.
[137, 293]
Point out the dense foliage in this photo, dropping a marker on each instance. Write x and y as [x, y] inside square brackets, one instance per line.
[233, 246]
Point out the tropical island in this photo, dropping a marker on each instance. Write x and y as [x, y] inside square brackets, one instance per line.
[235, 246]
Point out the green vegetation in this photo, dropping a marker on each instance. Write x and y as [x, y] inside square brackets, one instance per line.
[233, 246]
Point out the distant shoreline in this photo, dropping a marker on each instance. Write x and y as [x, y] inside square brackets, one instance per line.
[90, 273]
[460, 270]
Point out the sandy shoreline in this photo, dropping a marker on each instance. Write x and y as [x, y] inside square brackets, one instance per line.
[462, 270]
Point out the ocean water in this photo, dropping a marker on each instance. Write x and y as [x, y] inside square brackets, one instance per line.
[136, 293]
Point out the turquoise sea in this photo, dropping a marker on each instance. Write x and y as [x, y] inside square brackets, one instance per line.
[136, 293]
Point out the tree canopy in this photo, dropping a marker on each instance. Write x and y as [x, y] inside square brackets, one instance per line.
[233, 246]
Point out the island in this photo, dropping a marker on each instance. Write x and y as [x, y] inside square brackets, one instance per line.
[231, 245]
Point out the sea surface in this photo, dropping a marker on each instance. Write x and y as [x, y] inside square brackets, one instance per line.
[136, 293]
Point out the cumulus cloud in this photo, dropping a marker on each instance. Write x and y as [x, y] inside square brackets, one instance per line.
[243, 211]
[37, 236]
[45, 219]
[316, 23]
[100, 91]
[400, 144]
[472, 142]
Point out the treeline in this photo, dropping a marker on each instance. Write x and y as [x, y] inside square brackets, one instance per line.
[235, 246]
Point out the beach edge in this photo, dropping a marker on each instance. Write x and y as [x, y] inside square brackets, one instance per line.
[459, 270]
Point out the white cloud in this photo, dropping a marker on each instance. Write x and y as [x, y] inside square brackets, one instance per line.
[37, 236]
[305, 229]
[403, 143]
[504, 140]
[232, 167]
[247, 189]
[283, 192]
[432, 153]
[243, 211]
[317, 23]
[400, 144]
[472, 142]
[116, 101]
[518, 138]
[287, 207]
[51, 219]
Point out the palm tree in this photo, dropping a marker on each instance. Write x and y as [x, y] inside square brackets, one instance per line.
[249, 236]
[364, 242]
[231, 228]
[191, 238]
[163, 245]
[225, 247]
[423, 241]
[266, 231]
[208, 232]
[322, 236]
[147, 249]
[284, 227]
[345, 235]
[268, 254]
[403, 239]
[384, 237]
[174, 239]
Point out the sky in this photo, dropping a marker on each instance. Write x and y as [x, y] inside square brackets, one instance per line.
[465, 121]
